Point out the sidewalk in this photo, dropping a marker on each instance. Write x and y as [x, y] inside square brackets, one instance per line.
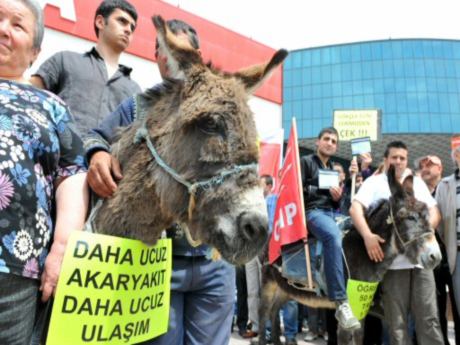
[237, 340]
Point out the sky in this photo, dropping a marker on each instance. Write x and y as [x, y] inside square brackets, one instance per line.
[296, 24]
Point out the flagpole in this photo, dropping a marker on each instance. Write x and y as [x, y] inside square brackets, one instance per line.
[299, 176]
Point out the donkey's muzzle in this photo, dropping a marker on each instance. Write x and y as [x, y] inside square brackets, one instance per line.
[431, 255]
[252, 226]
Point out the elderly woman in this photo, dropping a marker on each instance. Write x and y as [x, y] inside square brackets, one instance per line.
[43, 189]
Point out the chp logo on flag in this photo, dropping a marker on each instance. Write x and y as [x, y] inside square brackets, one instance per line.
[289, 224]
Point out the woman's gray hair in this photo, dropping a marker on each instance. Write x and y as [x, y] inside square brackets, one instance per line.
[39, 29]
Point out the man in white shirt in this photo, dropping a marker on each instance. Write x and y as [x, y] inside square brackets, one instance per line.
[407, 288]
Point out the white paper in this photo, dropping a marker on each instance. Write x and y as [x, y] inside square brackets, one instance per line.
[328, 179]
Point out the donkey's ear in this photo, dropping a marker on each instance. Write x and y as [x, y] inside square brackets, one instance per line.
[252, 77]
[408, 185]
[179, 53]
[395, 187]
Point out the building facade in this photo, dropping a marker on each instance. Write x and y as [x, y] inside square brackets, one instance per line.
[414, 83]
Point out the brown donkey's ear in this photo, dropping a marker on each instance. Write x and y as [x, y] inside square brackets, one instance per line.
[408, 185]
[252, 77]
[179, 53]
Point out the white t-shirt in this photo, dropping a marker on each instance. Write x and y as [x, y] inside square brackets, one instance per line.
[376, 188]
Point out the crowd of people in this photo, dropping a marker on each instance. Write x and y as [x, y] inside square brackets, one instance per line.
[56, 128]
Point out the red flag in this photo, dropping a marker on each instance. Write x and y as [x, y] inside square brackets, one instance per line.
[289, 224]
[270, 155]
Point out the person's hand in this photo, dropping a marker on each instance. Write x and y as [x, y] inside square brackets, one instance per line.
[366, 160]
[51, 271]
[372, 242]
[101, 168]
[336, 193]
[354, 169]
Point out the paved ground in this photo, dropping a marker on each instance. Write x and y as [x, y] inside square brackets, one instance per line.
[237, 340]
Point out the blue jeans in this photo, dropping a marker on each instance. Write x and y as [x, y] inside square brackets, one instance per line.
[290, 311]
[202, 300]
[18, 303]
[321, 223]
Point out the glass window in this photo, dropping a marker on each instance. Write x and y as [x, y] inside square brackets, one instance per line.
[297, 109]
[377, 67]
[347, 88]
[446, 125]
[327, 106]
[419, 68]
[398, 68]
[431, 85]
[433, 103]
[369, 101]
[336, 72]
[306, 109]
[455, 121]
[287, 109]
[387, 52]
[296, 60]
[456, 50]
[316, 75]
[287, 94]
[414, 123]
[448, 50]
[335, 55]
[454, 104]
[422, 102]
[306, 76]
[441, 84]
[439, 68]
[296, 93]
[326, 90]
[317, 91]
[345, 54]
[397, 49]
[337, 89]
[379, 101]
[307, 92]
[421, 84]
[356, 52]
[306, 58]
[358, 87]
[317, 108]
[326, 56]
[409, 68]
[437, 49]
[346, 72]
[379, 86]
[287, 77]
[400, 85]
[366, 52]
[403, 123]
[356, 70]
[407, 49]
[450, 68]
[377, 51]
[325, 74]
[390, 123]
[418, 49]
[316, 57]
[368, 87]
[443, 103]
[367, 70]
[390, 103]
[348, 102]
[296, 77]
[429, 68]
[358, 101]
[425, 124]
[411, 85]
[288, 63]
[427, 49]
[389, 85]
[401, 104]
[388, 71]
[412, 102]
[435, 122]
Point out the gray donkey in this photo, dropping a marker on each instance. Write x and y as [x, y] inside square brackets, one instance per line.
[401, 221]
[193, 158]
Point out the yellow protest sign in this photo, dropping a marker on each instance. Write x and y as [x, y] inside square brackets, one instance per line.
[353, 124]
[360, 295]
[111, 291]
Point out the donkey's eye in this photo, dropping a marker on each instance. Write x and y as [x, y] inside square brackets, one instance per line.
[212, 124]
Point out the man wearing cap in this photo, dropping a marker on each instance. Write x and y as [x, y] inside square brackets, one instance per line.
[430, 168]
[448, 198]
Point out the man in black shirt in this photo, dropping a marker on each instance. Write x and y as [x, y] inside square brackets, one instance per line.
[320, 205]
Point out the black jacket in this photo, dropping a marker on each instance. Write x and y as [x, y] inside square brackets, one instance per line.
[313, 196]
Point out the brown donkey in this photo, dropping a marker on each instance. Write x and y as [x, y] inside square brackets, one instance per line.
[193, 158]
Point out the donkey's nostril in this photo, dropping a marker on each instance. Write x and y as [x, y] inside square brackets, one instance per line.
[252, 225]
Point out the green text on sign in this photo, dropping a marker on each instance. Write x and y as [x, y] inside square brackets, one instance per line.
[111, 291]
[360, 295]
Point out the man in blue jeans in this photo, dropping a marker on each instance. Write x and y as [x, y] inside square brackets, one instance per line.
[202, 290]
[320, 205]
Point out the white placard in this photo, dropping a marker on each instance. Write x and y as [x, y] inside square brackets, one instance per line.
[328, 179]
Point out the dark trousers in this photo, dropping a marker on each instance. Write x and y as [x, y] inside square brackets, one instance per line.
[241, 299]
